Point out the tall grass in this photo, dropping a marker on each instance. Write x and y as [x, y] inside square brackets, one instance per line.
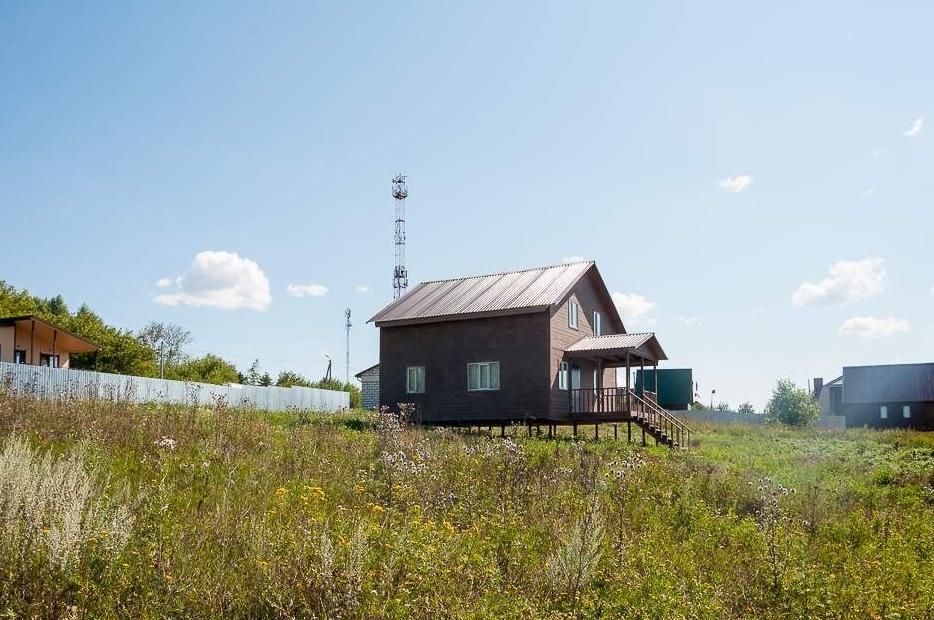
[168, 511]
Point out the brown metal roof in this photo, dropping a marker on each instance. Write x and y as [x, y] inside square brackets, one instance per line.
[619, 343]
[510, 292]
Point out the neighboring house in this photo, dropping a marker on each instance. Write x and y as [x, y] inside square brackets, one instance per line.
[369, 386]
[532, 346]
[893, 395]
[32, 340]
[674, 386]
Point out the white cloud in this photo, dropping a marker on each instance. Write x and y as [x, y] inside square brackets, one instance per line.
[312, 289]
[222, 280]
[736, 184]
[164, 282]
[871, 191]
[873, 327]
[688, 320]
[633, 307]
[848, 282]
[364, 288]
[915, 128]
[932, 291]
[573, 259]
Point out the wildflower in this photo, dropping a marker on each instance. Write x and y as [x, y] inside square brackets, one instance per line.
[166, 442]
[282, 492]
[377, 508]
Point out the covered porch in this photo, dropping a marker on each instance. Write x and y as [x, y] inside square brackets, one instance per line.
[32, 340]
[615, 351]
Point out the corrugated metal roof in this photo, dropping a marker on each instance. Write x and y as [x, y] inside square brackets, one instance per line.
[893, 383]
[610, 341]
[496, 293]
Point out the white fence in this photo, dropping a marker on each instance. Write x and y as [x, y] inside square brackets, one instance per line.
[65, 383]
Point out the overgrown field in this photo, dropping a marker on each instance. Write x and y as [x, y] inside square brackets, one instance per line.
[114, 510]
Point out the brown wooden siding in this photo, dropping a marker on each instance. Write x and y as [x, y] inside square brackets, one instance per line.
[562, 336]
[519, 343]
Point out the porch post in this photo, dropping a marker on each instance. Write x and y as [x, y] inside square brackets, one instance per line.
[655, 372]
[32, 343]
[628, 392]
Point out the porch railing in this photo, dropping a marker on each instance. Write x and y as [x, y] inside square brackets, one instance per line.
[619, 400]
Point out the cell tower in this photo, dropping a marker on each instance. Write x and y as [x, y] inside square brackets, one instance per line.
[347, 326]
[400, 277]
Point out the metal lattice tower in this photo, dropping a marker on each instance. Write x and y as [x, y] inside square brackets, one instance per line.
[347, 326]
[400, 276]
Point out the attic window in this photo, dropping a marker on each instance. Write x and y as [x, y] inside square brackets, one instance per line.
[572, 314]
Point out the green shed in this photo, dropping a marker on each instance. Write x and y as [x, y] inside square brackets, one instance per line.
[675, 386]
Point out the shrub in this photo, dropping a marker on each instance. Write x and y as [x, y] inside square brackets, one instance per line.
[791, 405]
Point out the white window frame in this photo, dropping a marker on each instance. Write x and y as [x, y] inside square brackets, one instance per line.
[597, 324]
[564, 376]
[419, 387]
[480, 366]
[573, 311]
[906, 412]
[883, 412]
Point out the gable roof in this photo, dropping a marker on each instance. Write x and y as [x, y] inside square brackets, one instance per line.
[495, 294]
[619, 343]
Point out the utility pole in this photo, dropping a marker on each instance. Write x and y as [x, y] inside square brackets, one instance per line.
[347, 326]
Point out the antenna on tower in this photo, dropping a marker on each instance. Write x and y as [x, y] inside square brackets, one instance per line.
[347, 326]
[400, 276]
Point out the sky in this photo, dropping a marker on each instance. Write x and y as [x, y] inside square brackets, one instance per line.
[754, 180]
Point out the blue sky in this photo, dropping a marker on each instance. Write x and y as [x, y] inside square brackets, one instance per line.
[712, 159]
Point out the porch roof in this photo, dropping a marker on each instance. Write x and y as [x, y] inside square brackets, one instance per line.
[614, 347]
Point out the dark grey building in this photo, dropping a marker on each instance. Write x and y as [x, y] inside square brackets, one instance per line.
[884, 396]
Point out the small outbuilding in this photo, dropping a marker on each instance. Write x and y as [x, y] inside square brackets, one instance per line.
[32, 340]
[369, 385]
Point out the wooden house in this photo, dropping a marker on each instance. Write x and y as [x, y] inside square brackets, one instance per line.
[534, 346]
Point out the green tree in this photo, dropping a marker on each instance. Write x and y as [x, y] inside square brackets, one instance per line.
[254, 374]
[207, 369]
[167, 341]
[791, 405]
[287, 378]
[265, 380]
[746, 408]
[723, 406]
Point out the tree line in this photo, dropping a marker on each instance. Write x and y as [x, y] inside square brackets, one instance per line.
[156, 350]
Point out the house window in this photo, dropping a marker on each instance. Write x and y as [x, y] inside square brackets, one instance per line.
[563, 372]
[415, 380]
[483, 376]
[48, 360]
[883, 413]
[597, 325]
[906, 411]
[572, 314]
[19, 356]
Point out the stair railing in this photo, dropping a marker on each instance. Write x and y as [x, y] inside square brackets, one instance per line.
[661, 419]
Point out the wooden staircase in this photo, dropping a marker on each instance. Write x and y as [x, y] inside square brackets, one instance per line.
[658, 423]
